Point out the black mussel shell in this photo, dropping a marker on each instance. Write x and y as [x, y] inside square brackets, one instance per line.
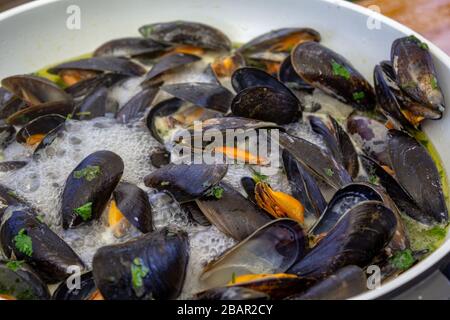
[93, 104]
[18, 281]
[231, 213]
[249, 185]
[46, 253]
[136, 106]
[133, 203]
[206, 95]
[187, 33]
[162, 109]
[170, 62]
[338, 142]
[7, 133]
[357, 238]
[332, 73]
[291, 79]
[248, 77]
[280, 40]
[303, 186]
[272, 249]
[318, 162]
[160, 157]
[101, 64]
[342, 201]
[86, 87]
[25, 115]
[186, 182]
[85, 292]
[11, 106]
[416, 74]
[10, 200]
[129, 47]
[231, 293]
[150, 267]
[345, 283]
[35, 90]
[41, 125]
[266, 104]
[370, 136]
[89, 187]
[416, 172]
[195, 214]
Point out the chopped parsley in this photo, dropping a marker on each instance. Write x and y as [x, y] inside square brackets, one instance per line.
[14, 265]
[403, 259]
[89, 173]
[40, 218]
[23, 243]
[85, 211]
[373, 179]
[340, 70]
[421, 44]
[434, 84]
[329, 172]
[259, 177]
[216, 192]
[165, 183]
[358, 96]
[233, 278]
[138, 272]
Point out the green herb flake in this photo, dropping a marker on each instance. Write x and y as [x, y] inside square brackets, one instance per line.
[14, 265]
[165, 183]
[340, 70]
[373, 179]
[259, 177]
[329, 172]
[85, 211]
[89, 173]
[434, 83]
[23, 243]
[40, 218]
[216, 192]
[138, 272]
[83, 113]
[403, 260]
[358, 96]
[233, 278]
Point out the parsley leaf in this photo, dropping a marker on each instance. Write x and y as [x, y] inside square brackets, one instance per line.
[138, 272]
[403, 260]
[329, 172]
[259, 177]
[85, 211]
[216, 192]
[23, 243]
[233, 278]
[14, 265]
[340, 70]
[358, 96]
[89, 173]
[434, 84]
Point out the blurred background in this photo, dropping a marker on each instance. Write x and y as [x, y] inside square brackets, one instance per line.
[431, 18]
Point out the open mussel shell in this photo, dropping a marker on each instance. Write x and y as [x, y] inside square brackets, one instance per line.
[206, 95]
[273, 248]
[23, 236]
[231, 293]
[266, 104]
[291, 79]
[232, 214]
[304, 187]
[25, 115]
[170, 62]
[89, 187]
[86, 291]
[150, 267]
[35, 90]
[133, 204]
[129, 47]
[317, 161]
[356, 239]
[225, 66]
[338, 142]
[388, 93]
[416, 172]
[416, 74]
[101, 64]
[19, 282]
[137, 105]
[7, 133]
[280, 40]
[34, 131]
[345, 283]
[342, 201]
[187, 33]
[332, 73]
[370, 136]
[158, 112]
[11, 106]
[186, 182]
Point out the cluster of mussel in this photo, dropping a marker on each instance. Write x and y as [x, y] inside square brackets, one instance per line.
[294, 245]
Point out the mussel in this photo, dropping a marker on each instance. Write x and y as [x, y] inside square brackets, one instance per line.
[129, 47]
[89, 186]
[87, 289]
[36, 130]
[152, 266]
[170, 62]
[26, 238]
[136, 106]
